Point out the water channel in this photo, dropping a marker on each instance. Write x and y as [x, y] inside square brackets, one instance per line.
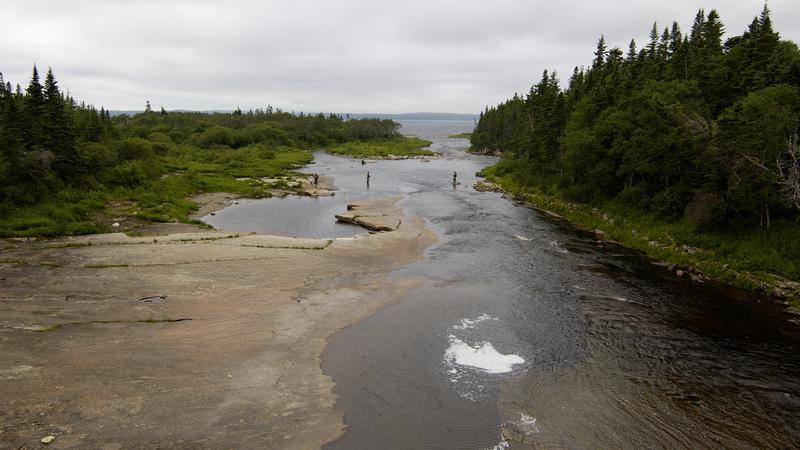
[533, 325]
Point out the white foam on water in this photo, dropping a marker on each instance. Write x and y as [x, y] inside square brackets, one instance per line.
[483, 356]
[527, 424]
[558, 247]
[470, 323]
[503, 445]
[521, 238]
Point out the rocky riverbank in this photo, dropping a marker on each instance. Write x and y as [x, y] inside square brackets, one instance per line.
[681, 260]
[196, 340]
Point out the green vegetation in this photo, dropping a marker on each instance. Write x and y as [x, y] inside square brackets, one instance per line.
[745, 257]
[381, 148]
[689, 141]
[69, 169]
[461, 136]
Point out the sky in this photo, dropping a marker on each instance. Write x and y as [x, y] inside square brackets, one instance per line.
[333, 55]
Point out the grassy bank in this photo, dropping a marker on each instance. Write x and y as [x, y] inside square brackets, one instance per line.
[383, 148]
[764, 261]
[461, 135]
[189, 171]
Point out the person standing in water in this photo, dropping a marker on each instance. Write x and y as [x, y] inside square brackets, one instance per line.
[316, 179]
[455, 175]
[367, 178]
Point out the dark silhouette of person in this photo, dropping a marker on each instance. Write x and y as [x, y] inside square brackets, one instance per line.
[368, 179]
[455, 175]
[316, 179]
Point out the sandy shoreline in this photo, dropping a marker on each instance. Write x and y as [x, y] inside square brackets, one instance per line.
[203, 340]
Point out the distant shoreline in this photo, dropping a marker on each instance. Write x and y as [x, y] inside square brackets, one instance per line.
[427, 116]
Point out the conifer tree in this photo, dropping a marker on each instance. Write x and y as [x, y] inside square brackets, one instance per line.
[600, 54]
[652, 47]
[58, 128]
[34, 111]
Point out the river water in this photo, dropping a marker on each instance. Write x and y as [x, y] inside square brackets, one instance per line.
[530, 324]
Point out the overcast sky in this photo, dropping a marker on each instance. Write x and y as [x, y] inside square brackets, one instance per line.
[332, 55]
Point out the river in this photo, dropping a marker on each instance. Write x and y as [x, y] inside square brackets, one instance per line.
[531, 325]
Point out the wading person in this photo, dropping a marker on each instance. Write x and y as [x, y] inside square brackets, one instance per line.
[455, 175]
[316, 179]
[367, 179]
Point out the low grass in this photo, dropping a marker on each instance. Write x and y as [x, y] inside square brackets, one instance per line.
[461, 135]
[383, 148]
[189, 171]
[744, 256]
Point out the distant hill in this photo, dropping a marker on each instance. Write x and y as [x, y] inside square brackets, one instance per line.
[404, 116]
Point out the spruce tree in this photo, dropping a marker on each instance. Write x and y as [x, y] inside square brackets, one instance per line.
[58, 128]
[713, 29]
[34, 115]
[652, 47]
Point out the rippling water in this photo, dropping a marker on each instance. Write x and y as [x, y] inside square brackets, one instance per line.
[567, 341]
[617, 355]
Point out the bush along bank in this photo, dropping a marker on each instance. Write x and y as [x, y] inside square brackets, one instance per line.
[753, 260]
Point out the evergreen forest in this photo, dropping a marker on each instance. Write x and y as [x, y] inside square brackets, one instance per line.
[691, 132]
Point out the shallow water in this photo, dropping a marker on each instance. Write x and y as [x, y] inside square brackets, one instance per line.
[312, 217]
[616, 353]
[572, 342]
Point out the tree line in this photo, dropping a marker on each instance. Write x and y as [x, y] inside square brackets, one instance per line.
[687, 125]
[49, 142]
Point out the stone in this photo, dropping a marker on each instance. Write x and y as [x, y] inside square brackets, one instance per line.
[115, 225]
[679, 273]
[48, 439]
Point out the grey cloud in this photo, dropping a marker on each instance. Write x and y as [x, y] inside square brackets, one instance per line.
[334, 55]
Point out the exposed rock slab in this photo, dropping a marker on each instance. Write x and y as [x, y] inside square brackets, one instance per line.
[323, 188]
[244, 372]
[371, 214]
[372, 223]
[211, 202]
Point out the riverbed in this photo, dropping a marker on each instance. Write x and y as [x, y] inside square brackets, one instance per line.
[531, 331]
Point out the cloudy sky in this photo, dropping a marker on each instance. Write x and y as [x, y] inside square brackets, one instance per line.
[332, 55]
